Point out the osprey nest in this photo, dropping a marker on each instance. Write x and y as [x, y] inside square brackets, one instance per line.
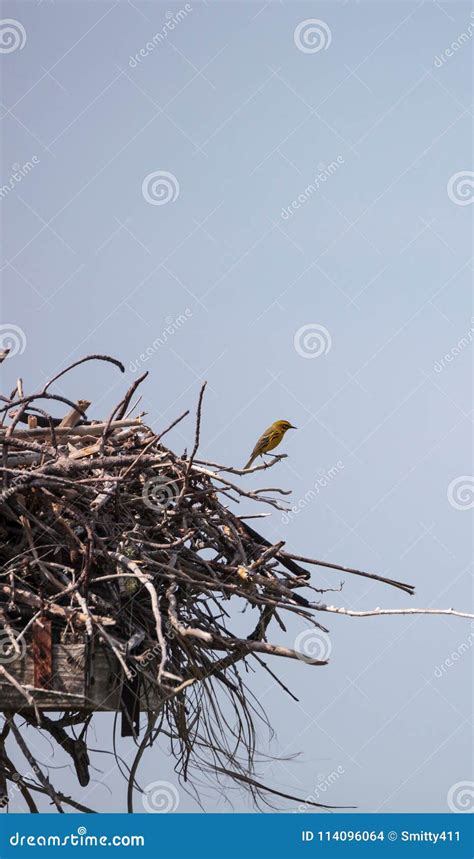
[116, 551]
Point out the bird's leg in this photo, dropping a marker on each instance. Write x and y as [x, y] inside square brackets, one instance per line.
[273, 455]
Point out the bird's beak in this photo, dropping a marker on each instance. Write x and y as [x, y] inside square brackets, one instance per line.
[292, 427]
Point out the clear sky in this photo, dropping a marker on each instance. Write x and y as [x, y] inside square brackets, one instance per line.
[312, 229]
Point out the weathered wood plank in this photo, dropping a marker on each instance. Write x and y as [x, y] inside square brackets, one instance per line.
[78, 682]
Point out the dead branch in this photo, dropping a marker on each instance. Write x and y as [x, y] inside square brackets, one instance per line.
[379, 612]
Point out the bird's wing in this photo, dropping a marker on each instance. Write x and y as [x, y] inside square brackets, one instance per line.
[266, 440]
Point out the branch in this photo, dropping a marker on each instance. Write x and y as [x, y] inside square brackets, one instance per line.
[377, 612]
[409, 589]
[32, 762]
[83, 361]
[83, 429]
[275, 458]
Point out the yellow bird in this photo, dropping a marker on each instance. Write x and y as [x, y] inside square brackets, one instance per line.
[269, 439]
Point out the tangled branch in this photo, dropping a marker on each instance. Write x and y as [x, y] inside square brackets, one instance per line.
[109, 538]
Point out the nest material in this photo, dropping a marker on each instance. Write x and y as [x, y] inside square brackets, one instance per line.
[113, 536]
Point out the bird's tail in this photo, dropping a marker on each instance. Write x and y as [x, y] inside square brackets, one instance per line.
[250, 462]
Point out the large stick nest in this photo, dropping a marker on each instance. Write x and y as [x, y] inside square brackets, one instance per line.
[113, 536]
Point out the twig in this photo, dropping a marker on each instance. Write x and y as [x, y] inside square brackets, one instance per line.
[378, 612]
[34, 764]
[410, 589]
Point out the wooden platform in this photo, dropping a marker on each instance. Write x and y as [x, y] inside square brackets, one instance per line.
[83, 678]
